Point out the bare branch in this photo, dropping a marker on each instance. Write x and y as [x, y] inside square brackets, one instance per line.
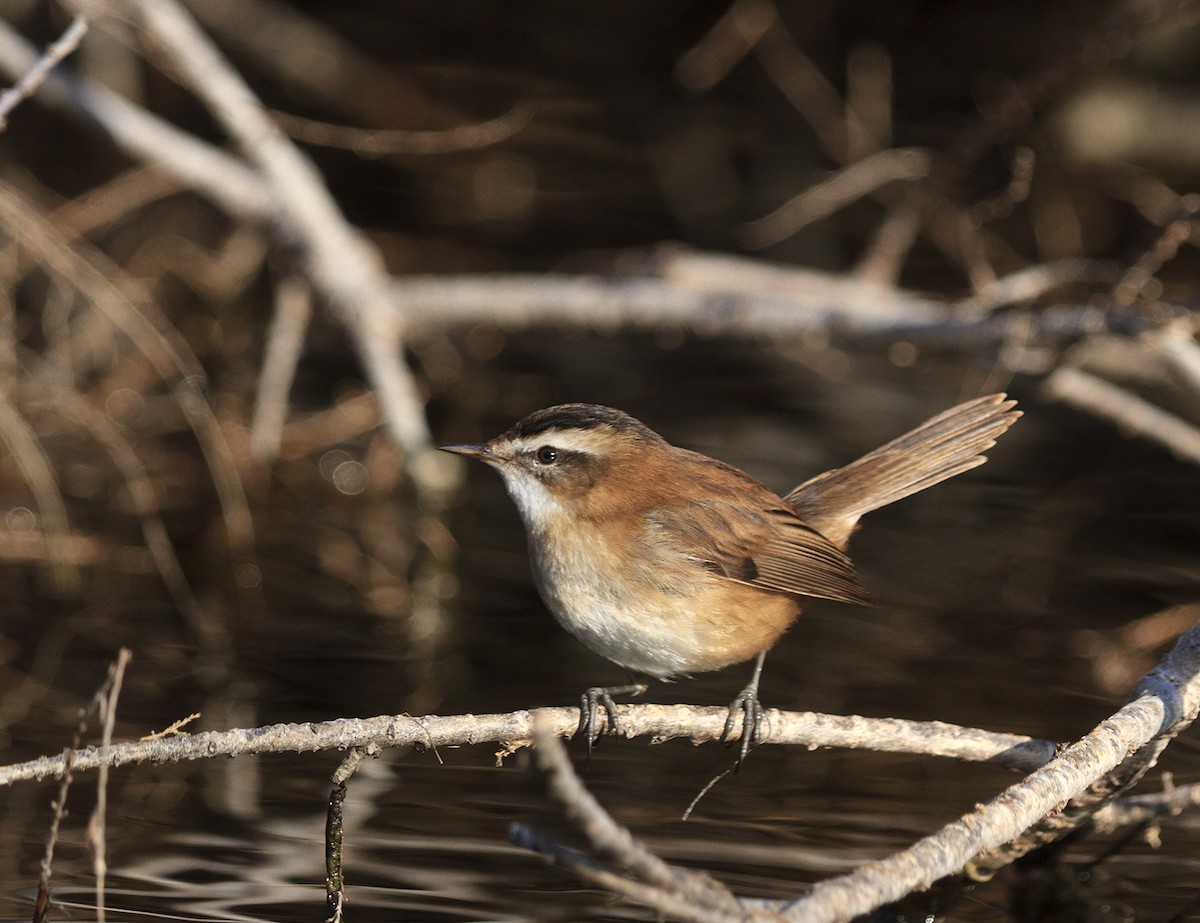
[711, 294]
[514, 731]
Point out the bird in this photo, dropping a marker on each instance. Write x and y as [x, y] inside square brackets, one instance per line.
[669, 563]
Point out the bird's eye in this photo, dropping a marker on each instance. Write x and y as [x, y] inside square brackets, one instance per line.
[547, 455]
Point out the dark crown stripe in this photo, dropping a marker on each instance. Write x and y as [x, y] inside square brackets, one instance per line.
[579, 416]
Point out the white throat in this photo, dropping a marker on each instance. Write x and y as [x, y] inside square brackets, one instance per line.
[534, 501]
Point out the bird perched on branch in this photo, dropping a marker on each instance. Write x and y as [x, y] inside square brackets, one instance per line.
[668, 562]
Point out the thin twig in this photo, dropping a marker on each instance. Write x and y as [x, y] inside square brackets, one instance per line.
[726, 43]
[1138, 809]
[41, 906]
[335, 883]
[667, 901]
[29, 84]
[347, 80]
[612, 841]
[285, 341]
[1033, 282]
[107, 705]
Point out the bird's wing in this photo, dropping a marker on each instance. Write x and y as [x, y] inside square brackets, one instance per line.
[770, 548]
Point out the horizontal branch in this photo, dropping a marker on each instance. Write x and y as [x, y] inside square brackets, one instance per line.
[514, 730]
[819, 303]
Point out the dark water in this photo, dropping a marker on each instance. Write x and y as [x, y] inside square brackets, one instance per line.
[1002, 597]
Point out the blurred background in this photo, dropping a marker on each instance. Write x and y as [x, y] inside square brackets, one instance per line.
[1030, 169]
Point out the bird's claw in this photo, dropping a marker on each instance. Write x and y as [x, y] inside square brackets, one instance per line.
[747, 705]
[589, 703]
[602, 697]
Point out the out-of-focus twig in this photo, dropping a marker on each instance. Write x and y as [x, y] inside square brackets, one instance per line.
[839, 130]
[341, 263]
[1033, 282]
[293, 308]
[714, 294]
[200, 166]
[37, 74]
[1131, 413]
[1140, 277]
[1177, 342]
[318, 64]
[38, 471]
[376, 142]
[726, 43]
[114, 200]
[837, 191]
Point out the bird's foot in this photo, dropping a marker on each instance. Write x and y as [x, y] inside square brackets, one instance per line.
[602, 697]
[751, 711]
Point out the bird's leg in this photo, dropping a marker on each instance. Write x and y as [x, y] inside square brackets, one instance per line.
[748, 706]
[601, 696]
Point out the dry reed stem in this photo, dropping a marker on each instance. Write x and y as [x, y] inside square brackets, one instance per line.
[106, 705]
[128, 308]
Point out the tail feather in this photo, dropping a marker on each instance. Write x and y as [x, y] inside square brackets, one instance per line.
[940, 448]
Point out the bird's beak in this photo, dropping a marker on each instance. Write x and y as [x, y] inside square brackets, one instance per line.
[479, 450]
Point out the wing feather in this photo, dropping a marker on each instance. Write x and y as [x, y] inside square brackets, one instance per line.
[768, 548]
